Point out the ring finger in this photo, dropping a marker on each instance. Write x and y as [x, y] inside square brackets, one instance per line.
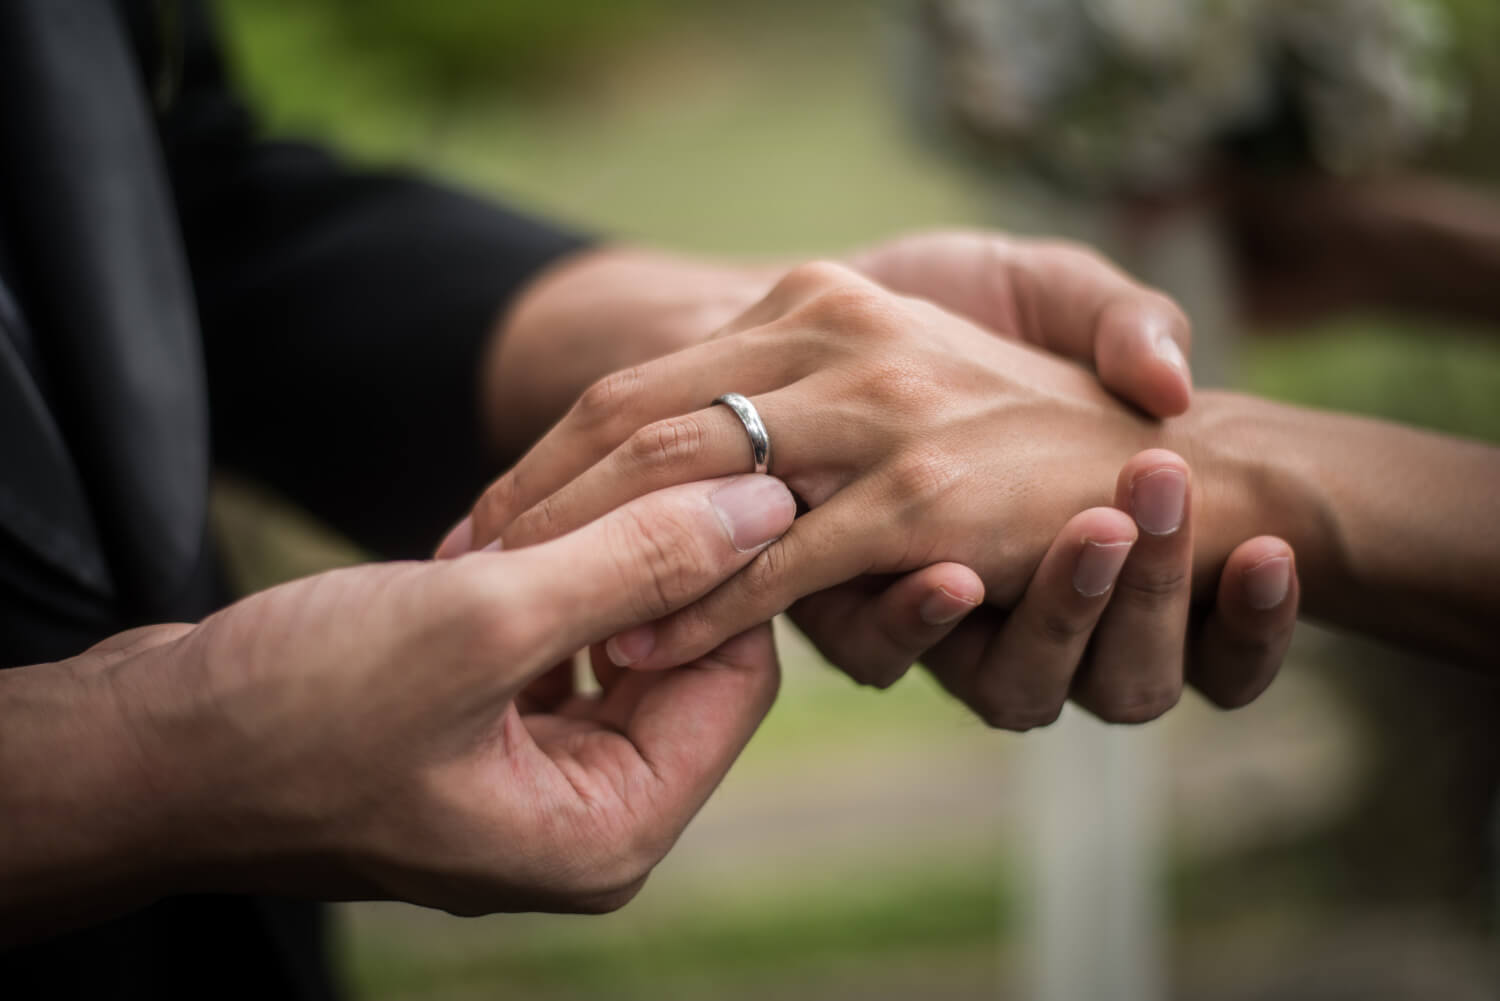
[614, 408]
[695, 446]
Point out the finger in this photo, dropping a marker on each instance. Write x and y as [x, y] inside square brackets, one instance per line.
[1015, 670]
[874, 636]
[1073, 302]
[1023, 679]
[1135, 667]
[701, 445]
[827, 546]
[689, 724]
[1241, 646]
[642, 561]
[620, 404]
[457, 541]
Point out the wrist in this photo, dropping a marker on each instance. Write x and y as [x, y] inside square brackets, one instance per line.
[228, 801]
[85, 834]
[1251, 480]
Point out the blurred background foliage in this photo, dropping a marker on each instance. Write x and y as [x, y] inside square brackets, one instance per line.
[868, 844]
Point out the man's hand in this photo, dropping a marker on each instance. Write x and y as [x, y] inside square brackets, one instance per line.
[920, 441]
[402, 731]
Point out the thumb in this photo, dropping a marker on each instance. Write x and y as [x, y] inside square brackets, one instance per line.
[659, 553]
[1140, 344]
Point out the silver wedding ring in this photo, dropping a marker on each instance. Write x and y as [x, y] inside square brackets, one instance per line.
[760, 438]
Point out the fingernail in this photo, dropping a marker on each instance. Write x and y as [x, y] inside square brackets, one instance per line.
[1267, 583]
[1157, 500]
[632, 646]
[458, 540]
[494, 547]
[1168, 350]
[754, 510]
[942, 606]
[1098, 565]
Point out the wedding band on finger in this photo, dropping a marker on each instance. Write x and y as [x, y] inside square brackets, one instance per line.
[760, 438]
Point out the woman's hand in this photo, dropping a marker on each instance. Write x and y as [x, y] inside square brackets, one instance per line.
[609, 308]
[394, 731]
[918, 441]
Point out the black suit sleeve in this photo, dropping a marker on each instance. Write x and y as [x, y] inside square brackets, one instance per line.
[344, 314]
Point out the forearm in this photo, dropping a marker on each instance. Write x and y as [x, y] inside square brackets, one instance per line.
[594, 313]
[79, 840]
[1394, 529]
[1317, 245]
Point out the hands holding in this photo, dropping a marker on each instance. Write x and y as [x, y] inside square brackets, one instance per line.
[412, 731]
[927, 447]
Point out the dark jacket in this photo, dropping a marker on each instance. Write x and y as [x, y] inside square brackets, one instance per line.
[178, 295]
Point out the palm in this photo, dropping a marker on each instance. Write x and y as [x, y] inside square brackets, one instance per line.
[635, 745]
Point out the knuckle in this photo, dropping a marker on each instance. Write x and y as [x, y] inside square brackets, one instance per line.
[495, 509]
[666, 444]
[609, 396]
[854, 308]
[1153, 586]
[536, 524]
[764, 573]
[1056, 628]
[812, 277]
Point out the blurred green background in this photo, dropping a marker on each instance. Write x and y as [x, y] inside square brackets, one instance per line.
[872, 845]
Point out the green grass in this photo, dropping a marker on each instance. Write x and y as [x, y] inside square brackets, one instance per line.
[779, 935]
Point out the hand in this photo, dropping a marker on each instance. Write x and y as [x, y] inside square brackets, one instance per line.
[606, 309]
[1062, 298]
[379, 732]
[918, 441]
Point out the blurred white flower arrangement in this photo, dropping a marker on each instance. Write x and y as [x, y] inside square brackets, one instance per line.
[1138, 95]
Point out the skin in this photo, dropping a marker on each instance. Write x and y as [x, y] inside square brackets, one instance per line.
[899, 426]
[1059, 297]
[412, 731]
[438, 780]
[891, 412]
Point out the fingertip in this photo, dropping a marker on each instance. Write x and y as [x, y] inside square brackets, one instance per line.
[1155, 486]
[1260, 578]
[458, 540]
[1103, 537]
[1140, 355]
[942, 607]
